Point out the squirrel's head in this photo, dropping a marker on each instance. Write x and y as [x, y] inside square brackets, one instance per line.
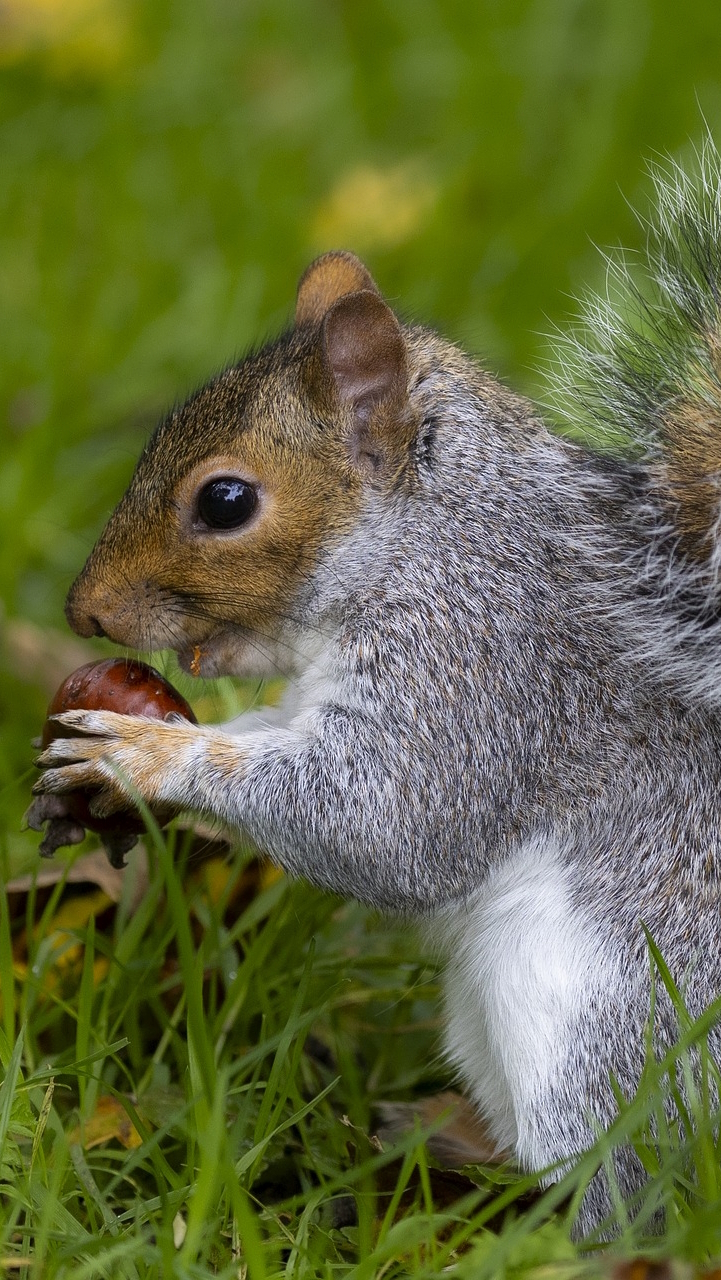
[239, 492]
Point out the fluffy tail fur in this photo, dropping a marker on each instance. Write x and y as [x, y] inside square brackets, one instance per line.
[644, 366]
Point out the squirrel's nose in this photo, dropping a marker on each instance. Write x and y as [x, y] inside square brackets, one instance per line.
[80, 619]
[83, 623]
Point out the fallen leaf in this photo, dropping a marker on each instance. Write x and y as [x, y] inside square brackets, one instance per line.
[72, 914]
[269, 875]
[109, 1121]
[458, 1134]
[91, 868]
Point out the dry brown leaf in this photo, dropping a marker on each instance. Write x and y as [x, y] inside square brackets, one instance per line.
[91, 868]
[646, 1269]
[109, 1121]
[462, 1139]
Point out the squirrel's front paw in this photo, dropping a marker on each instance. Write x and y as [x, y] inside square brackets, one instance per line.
[122, 758]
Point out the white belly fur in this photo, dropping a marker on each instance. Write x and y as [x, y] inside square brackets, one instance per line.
[523, 962]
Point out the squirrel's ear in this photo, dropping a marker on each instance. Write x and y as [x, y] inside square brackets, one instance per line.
[365, 353]
[329, 278]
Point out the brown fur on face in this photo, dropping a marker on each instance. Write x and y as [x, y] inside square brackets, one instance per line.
[308, 421]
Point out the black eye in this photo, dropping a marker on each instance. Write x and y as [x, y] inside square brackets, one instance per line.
[226, 503]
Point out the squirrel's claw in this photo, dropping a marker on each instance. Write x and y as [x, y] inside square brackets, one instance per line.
[117, 844]
[97, 761]
[103, 724]
[69, 777]
[86, 774]
[44, 809]
[56, 753]
[65, 751]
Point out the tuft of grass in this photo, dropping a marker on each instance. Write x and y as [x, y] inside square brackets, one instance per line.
[198, 1103]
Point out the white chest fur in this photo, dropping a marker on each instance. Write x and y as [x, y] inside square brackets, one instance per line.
[523, 963]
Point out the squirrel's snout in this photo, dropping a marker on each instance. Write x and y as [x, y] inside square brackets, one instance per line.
[81, 621]
[84, 610]
[123, 611]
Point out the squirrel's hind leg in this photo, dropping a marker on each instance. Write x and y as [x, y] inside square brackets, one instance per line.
[529, 978]
[458, 1134]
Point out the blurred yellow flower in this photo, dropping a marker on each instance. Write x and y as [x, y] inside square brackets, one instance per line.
[372, 208]
[71, 35]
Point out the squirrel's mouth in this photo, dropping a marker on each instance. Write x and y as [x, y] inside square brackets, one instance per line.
[200, 659]
[232, 651]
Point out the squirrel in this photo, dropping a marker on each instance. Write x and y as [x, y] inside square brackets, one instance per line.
[502, 651]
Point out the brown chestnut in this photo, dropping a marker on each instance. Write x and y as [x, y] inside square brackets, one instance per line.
[115, 684]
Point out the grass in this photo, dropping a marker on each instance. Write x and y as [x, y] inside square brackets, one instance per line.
[190, 1074]
[189, 1083]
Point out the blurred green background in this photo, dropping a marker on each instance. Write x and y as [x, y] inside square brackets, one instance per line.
[167, 169]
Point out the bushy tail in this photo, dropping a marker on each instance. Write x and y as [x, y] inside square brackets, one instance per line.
[643, 369]
[645, 363]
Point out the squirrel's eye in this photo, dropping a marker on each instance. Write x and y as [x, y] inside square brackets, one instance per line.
[226, 503]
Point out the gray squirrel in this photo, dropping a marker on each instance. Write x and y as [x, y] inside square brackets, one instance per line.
[502, 652]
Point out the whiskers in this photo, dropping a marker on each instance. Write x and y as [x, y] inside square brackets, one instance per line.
[219, 612]
[287, 630]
